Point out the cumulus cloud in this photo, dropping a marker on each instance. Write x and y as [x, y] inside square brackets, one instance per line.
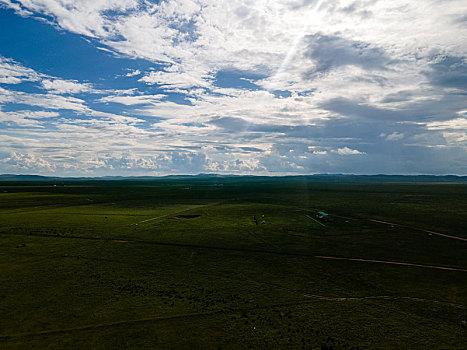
[29, 163]
[59, 86]
[346, 151]
[133, 73]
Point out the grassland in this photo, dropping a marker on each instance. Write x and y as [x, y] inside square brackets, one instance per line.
[120, 264]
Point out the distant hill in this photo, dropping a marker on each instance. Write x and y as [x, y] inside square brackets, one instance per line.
[388, 178]
[316, 177]
[13, 177]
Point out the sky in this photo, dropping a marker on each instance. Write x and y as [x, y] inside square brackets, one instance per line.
[139, 87]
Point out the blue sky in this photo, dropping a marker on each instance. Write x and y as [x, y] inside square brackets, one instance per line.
[137, 87]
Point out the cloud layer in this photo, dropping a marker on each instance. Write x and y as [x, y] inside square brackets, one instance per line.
[286, 87]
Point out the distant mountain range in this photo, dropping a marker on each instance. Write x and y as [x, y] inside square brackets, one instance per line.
[14, 177]
[316, 177]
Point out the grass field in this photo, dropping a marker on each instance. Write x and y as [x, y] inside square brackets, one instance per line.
[150, 264]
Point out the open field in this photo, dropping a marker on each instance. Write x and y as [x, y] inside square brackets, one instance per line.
[181, 264]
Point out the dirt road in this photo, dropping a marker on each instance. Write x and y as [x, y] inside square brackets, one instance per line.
[392, 263]
[419, 229]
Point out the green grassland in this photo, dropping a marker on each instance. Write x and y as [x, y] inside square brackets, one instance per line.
[180, 263]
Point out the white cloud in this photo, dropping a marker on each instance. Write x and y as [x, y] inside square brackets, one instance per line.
[59, 86]
[452, 124]
[29, 163]
[176, 79]
[456, 138]
[57, 102]
[12, 72]
[395, 136]
[18, 119]
[346, 151]
[40, 114]
[197, 39]
[26, 118]
[83, 17]
[133, 100]
[16, 7]
[133, 72]
[49, 101]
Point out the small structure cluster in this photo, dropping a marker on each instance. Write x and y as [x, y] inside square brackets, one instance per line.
[263, 221]
[323, 216]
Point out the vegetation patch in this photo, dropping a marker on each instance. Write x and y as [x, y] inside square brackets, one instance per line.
[192, 216]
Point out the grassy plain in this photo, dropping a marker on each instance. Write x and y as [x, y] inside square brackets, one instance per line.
[114, 264]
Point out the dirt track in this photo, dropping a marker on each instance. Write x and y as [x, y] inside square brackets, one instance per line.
[419, 229]
[252, 250]
[384, 297]
[392, 263]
